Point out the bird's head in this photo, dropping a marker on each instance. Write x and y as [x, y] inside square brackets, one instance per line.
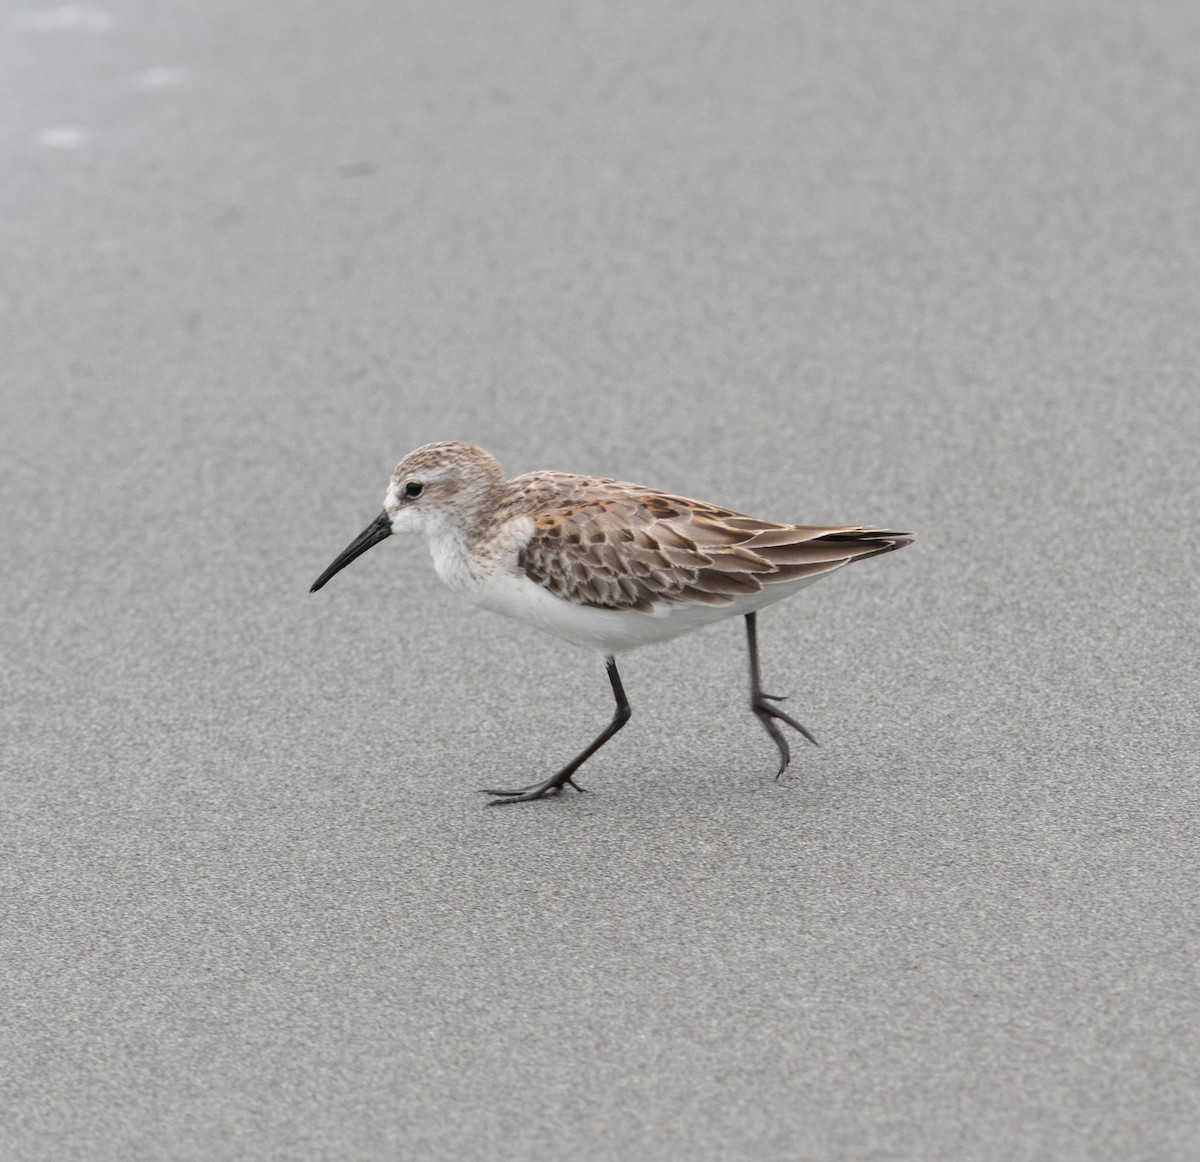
[445, 486]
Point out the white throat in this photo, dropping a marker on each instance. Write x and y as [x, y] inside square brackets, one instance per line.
[453, 563]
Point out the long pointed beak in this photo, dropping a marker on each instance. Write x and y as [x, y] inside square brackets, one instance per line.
[375, 532]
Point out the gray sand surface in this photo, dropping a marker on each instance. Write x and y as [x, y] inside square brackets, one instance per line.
[927, 265]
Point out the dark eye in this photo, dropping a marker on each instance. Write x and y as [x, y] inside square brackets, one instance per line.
[414, 488]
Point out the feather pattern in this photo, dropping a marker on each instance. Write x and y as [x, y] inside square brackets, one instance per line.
[612, 545]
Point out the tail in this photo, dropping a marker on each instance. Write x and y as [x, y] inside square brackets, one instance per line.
[798, 551]
[865, 543]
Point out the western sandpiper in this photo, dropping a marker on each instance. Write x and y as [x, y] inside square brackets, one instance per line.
[604, 564]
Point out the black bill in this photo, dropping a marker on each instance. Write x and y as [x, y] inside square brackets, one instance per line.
[375, 532]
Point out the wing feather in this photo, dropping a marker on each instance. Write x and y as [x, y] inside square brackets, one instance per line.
[619, 546]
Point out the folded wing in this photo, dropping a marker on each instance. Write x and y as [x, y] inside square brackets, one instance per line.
[619, 546]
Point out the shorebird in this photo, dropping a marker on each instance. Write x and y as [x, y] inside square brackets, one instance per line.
[604, 564]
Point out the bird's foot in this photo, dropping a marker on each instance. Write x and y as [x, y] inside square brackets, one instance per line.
[543, 790]
[767, 715]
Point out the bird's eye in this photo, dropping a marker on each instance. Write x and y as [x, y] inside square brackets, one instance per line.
[414, 488]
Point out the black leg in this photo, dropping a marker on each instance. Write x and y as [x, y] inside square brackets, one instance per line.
[760, 703]
[555, 784]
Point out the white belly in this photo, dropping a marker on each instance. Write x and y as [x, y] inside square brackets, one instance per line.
[611, 631]
[495, 582]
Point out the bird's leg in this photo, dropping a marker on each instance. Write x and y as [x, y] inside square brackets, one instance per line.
[554, 784]
[760, 702]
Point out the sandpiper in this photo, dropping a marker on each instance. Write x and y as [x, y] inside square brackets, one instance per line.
[604, 564]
